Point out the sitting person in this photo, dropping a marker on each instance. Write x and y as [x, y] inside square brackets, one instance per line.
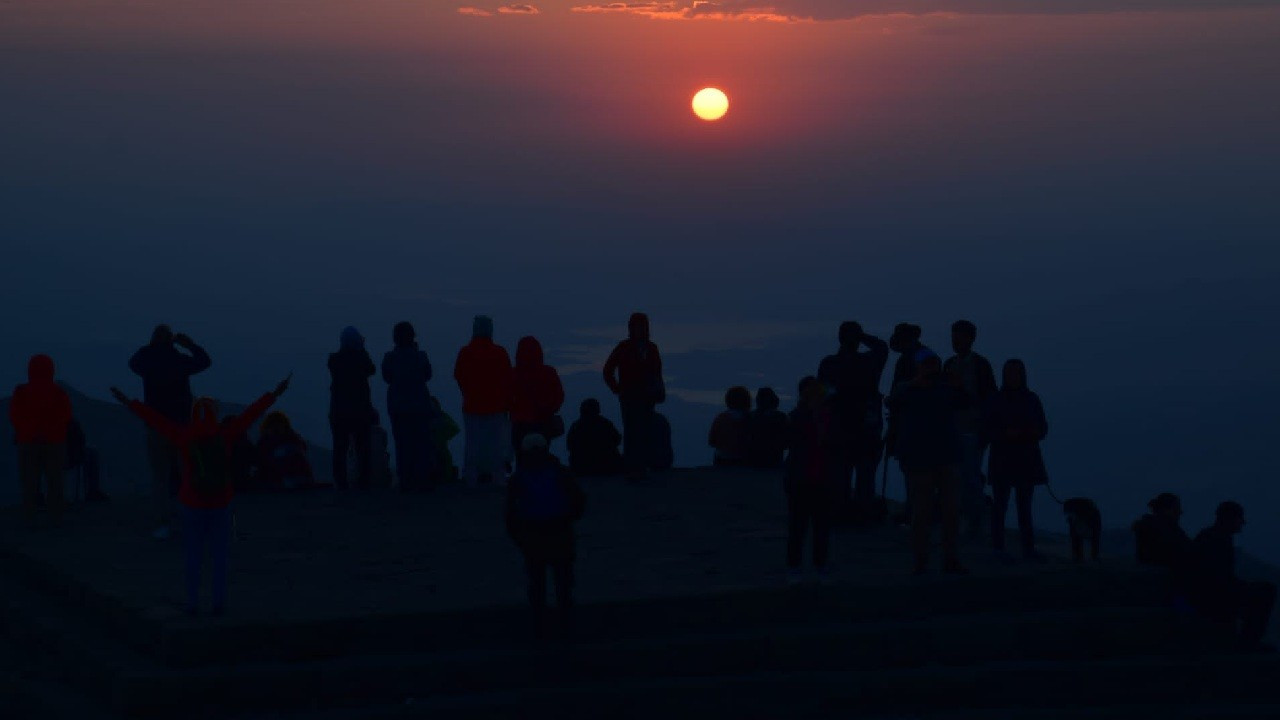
[730, 434]
[443, 429]
[282, 455]
[1215, 591]
[768, 431]
[1159, 539]
[593, 443]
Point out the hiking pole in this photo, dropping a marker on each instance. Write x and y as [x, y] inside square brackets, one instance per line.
[884, 477]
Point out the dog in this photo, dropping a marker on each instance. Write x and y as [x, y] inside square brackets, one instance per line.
[1085, 522]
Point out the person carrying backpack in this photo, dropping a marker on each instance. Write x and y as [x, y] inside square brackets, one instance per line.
[543, 502]
[205, 451]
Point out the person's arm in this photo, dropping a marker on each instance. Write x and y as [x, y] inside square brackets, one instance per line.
[367, 368]
[460, 370]
[878, 350]
[986, 380]
[246, 419]
[661, 382]
[161, 424]
[1041, 429]
[198, 361]
[714, 433]
[426, 365]
[557, 392]
[62, 409]
[611, 370]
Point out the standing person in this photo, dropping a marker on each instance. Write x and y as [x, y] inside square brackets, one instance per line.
[40, 412]
[407, 371]
[853, 377]
[166, 387]
[730, 433]
[593, 443]
[351, 413]
[979, 381]
[1217, 593]
[769, 433]
[928, 449]
[536, 395]
[1015, 425]
[812, 478]
[543, 503]
[205, 448]
[633, 372]
[483, 372]
[905, 341]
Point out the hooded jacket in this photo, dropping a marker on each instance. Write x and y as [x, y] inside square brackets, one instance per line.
[536, 391]
[634, 369]
[40, 410]
[483, 372]
[203, 425]
[166, 377]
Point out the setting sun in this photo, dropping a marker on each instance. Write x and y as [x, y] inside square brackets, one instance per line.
[710, 104]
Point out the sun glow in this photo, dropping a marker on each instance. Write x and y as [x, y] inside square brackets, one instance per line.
[710, 104]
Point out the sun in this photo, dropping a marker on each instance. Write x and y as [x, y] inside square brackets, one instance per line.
[710, 104]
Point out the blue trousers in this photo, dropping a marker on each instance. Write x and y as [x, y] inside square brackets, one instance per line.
[206, 531]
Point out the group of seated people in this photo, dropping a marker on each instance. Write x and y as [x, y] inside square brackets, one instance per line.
[742, 437]
[277, 461]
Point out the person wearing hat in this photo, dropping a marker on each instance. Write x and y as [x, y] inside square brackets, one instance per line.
[351, 413]
[1217, 593]
[483, 372]
[543, 503]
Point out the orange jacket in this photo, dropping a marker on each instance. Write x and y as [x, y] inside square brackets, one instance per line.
[483, 372]
[40, 410]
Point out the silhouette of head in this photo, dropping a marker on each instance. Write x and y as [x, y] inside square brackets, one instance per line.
[533, 448]
[1014, 375]
[162, 335]
[638, 327]
[811, 392]
[276, 423]
[767, 400]
[482, 327]
[905, 338]
[529, 352]
[40, 369]
[963, 333]
[738, 398]
[1230, 515]
[350, 338]
[1167, 505]
[590, 408]
[403, 334]
[850, 333]
[928, 364]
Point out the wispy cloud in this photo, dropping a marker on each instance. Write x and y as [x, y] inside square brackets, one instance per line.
[518, 9]
[474, 12]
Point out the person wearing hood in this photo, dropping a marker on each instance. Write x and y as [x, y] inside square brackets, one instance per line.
[633, 372]
[730, 433]
[536, 395]
[483, 372]
[205, 447]
[40, 412]
[1015, 426]
[406, 370]
[166, 386]
[767, 427]
[853, 377]
[351, 413]
[593, 443]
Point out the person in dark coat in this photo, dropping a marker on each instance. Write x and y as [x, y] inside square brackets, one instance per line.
[633, 372]
[768, 431]
[593, 443]
[1015, 425]
[978, 379]
[905, 341]
[536, 394]
[928, 449]
[730, 432]
[40, 412]
[351, 413]
[853, 378]
[812, 478]
[1158, 537]
[166, 386]
[406, 371]
[1217, 593]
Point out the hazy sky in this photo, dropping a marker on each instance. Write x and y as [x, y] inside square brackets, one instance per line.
[1094, 183]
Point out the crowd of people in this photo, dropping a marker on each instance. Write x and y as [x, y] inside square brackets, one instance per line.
[940, 420]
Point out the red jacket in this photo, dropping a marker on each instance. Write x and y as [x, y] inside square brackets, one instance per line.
[483, 372]
[536, 392]
[40, 411]
[204, 424]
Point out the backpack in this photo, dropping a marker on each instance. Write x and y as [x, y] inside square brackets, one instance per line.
[210, 468]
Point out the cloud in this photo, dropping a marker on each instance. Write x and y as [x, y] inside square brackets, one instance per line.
[827, 10]
[518, 9]
[474, 12]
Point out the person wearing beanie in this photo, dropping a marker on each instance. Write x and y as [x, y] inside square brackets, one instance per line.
[407, 370]
[633, 372]
[40, 412]
[730, 433]
[593, 442]
[351, 413]
[483, 373]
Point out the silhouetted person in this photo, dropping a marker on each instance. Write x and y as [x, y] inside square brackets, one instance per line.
[536, 395]
[633, 372]
[282, 455]
[407, 371]
[85, 460]
[1015, 426]
[204, 446]
[166, 386]
[812, 477]
[1158, 536]
[444, 429]
[1216, 593]
[543, 503]
[979, 380]
[928, 449]
[730, 433]
[483, 372]
[853, 378]
[593, 443]
[40, 412]
[769, 434]
[351, 413]
[905, 341]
